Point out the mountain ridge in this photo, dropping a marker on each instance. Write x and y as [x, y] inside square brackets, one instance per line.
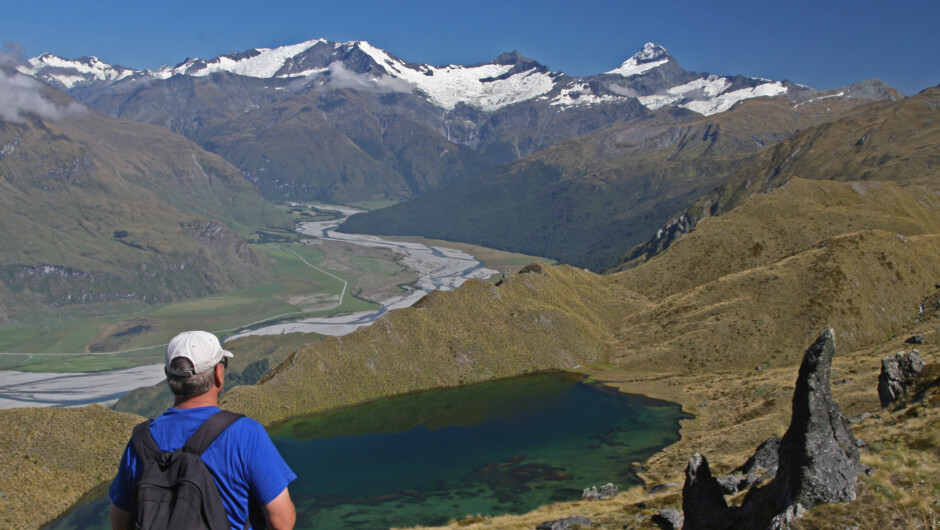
[314, 57]
[344, 96]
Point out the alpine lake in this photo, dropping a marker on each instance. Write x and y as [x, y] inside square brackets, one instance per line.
[506, 446]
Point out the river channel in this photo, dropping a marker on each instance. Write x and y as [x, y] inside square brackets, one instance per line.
[440, 269]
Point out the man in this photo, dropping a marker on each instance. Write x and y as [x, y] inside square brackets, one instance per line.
[242, 460]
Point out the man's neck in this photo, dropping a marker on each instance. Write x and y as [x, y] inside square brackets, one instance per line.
[209, 399]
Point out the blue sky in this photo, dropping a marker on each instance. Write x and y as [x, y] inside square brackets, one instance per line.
[824, 44]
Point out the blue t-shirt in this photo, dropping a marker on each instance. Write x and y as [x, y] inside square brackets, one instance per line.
[243, 461]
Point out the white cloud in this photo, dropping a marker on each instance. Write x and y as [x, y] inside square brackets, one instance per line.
[339, 77]
[21, 95]
[623, 91]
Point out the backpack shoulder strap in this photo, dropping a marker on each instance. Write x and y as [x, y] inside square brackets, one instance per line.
[143, 441]
[210, 430]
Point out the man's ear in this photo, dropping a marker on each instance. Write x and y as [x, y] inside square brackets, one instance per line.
[219, 375]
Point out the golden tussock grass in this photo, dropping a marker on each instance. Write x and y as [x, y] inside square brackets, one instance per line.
[49, 457]
[690, 336]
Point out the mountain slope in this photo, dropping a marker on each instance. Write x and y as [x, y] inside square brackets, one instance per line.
[894, 141]
[865, 283]
[97, 210]
[586, 201]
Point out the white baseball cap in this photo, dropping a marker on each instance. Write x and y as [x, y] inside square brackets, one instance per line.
[200, 347]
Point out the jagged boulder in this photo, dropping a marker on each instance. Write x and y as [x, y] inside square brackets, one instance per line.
[786, 519]
[606, 491]
[819, 460]
[668, 518]
[566, 523]
[732, 483]
[816, 461]
[763, 462]
[897, 373]
[703, 504]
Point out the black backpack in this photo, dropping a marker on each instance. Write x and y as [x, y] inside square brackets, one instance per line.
[176, 489]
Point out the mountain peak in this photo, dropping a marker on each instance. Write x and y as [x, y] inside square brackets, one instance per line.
[649, 57]
[650, 52]
[512, 57]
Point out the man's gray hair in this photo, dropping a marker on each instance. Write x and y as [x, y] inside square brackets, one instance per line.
[188, 387]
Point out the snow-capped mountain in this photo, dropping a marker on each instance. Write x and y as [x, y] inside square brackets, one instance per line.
[649, 57]
[346, 121]
[509, 79]
[66, 73]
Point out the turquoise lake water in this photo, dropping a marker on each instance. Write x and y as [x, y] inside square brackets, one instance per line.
[506, 446]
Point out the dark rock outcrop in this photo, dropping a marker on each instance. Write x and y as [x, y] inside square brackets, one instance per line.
[535, 267]
[816, 461]
[764, 459]
[703, 504]
[566, 523]
[606, 491]
[669, 518]
[733, 483]
[897, 373]
[818, 457]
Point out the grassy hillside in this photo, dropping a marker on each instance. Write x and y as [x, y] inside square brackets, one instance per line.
[586, 201]
[98, 211]
[889, 141]
[864, 281]
[558, 318]
[49, 457]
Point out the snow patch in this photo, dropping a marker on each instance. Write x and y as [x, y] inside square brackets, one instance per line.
[447, 86]
[263, 65]
[631, 67]
[725, 101]
[580, 94]
[707, 95]
[839, 95]
[708, 87]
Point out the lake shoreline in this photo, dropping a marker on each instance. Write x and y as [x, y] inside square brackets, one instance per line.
[578, 375]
